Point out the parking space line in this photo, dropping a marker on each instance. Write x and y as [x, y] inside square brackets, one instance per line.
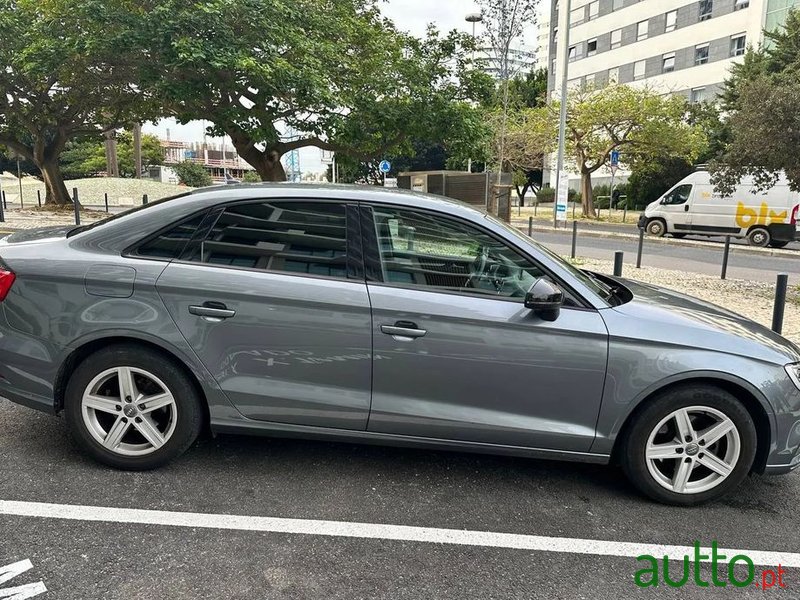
[376, 531]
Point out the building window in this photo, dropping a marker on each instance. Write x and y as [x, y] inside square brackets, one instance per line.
[740, 4]
[590, 80]
[701, 54]
[698, 95]
[591, 47]
[668, 62]
[594, 9]
[638, 69]
[616, 38]
[641, 30]
[576, 16]
[555, 35]
[573, 52]
[613, 75]
[706, 8]
[738, 45]
[616, 4]
[574, 84]
[672, 21]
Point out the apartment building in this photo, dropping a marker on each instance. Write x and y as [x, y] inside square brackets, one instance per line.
[678, 46]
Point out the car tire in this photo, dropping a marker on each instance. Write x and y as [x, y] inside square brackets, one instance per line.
[774, 244]
[124, 431]
[655, 433]
[759, 237]
[656, 228]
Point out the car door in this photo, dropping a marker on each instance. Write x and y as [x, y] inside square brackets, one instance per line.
[677, 209]
[457, 355]
[273, 301]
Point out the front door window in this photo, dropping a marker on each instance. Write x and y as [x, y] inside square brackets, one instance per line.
[680, 195]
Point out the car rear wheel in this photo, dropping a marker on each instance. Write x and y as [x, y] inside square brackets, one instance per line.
[774, 244]
[657, 228]
[131, 408]
[759, 236]
[690, 445]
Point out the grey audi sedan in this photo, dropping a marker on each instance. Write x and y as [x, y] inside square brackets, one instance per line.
[359, 314]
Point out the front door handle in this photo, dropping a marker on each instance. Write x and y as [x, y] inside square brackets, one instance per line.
[686, 208]
[212, 311]
[403, 331]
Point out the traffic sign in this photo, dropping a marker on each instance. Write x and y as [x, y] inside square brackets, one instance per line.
[615, 158]
[562, 197]
[385, 166]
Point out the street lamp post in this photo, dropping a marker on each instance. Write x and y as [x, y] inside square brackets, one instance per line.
[473, 18]
[563, 22]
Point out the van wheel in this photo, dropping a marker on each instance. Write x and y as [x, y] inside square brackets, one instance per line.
[775, 244]
[657, 228]
[759, 236]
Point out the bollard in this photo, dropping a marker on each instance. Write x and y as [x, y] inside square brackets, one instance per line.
[144, 199]
[618, 263]
[106, 199]
[2, 214]
[574, 238]
[5, 206]
[530, 226]
[535, 207]
[39, 197]
[725, 257]
[625, 215]
[76, 205]
[639, 250]
[780, 302]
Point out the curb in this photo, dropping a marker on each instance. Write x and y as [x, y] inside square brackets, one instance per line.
[663, 240]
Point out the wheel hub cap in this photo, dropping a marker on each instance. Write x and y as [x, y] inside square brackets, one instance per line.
[692, 449]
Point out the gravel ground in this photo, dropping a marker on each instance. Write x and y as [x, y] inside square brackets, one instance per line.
[121, 191]
[751, 299]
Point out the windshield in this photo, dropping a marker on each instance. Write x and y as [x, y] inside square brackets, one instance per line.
[587, 279]
[125, 213]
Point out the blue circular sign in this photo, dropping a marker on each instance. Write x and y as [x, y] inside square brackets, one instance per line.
[385, 166]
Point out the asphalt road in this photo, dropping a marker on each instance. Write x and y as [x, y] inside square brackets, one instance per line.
[705, 258]
[82, 559]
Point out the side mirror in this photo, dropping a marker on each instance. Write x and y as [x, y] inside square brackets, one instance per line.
[545, 298]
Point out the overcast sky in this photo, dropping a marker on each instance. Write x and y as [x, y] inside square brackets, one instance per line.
[408, 15]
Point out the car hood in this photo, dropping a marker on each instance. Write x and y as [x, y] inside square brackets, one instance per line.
[40, 234]
[666, 316]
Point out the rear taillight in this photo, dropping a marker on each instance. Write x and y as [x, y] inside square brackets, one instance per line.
[6, 281]
[795, 215]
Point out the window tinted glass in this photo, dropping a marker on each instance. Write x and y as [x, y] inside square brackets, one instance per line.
[293, 237]
[428, 251]
[170, 243]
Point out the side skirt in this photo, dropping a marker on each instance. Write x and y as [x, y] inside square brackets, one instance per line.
[285, 430]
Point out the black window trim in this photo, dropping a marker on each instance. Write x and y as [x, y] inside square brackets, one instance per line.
[368, 221]
[354, 248]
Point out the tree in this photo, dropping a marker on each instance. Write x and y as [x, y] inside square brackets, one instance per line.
[504, 22]
[529, 90]
[640, 123]
[192, 174]
[251, 177]
[67, 73]
[334, 73]
[650, 180]
[88, 157]
[762, 97]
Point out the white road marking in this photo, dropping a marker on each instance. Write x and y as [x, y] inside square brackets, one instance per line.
[20, 592]
[376, 531]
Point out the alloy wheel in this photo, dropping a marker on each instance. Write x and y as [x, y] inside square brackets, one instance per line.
[693, 450]
[129, 411]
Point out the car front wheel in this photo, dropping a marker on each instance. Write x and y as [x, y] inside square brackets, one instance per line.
[690, 445]
[132, 408]
[657, 228]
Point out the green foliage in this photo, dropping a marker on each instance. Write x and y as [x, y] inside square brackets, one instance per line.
[251, 177]
[650, 181]
[530, 90]
[763, 99]
[192, 174]
[67, 69]
[336, 72]
[547, 195]
[87, 157]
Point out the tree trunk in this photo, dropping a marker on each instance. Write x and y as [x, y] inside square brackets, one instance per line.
[269, 166]
[137, 150]
[112, 163]
[587, 198]
[55, 189]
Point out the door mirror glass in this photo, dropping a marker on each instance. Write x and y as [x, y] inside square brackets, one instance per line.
[545, 299]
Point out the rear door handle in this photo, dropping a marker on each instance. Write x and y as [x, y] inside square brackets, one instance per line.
[403, 330]
[212, 311]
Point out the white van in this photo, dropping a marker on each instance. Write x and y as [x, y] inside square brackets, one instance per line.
[693, 207]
